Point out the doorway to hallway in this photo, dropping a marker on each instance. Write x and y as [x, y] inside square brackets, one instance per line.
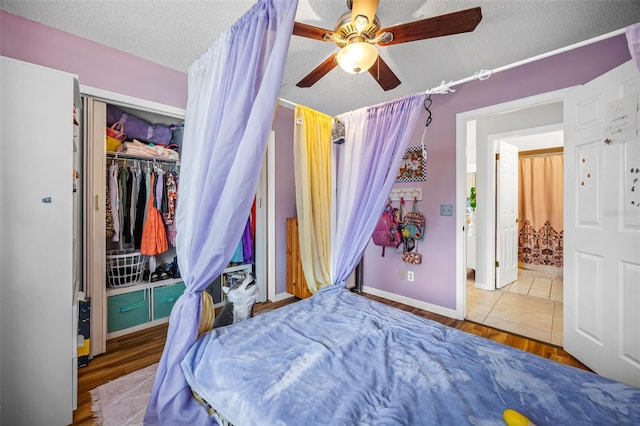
[531, 306]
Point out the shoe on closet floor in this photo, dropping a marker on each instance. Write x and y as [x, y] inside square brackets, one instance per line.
[174, 271]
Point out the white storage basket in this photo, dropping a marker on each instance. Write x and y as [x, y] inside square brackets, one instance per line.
[125, 267]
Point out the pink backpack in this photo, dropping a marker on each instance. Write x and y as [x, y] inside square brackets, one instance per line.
[386, 233]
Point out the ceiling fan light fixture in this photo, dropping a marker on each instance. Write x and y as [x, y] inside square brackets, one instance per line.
[357, 57]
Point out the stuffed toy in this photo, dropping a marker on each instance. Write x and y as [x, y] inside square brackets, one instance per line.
[515, 418]
[240, 299]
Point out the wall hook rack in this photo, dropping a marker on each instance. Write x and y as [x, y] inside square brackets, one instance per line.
[407, 193]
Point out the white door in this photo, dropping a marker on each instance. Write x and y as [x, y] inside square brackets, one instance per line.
[602, 228]
[37, 348]
[507, 209]
[261, 243]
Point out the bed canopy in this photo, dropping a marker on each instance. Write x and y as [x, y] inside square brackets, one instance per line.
[342, 188]
[232, 96]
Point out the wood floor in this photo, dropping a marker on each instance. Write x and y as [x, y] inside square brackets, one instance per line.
[141, 349]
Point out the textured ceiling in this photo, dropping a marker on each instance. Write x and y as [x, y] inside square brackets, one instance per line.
[174, 33]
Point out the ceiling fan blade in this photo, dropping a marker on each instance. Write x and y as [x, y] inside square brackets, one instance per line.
[309, 31]
[383, 75]
[319, 71]
[452, 23]
[366, 8]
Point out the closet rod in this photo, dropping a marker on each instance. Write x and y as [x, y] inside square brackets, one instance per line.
[445, 87]
[120, 155]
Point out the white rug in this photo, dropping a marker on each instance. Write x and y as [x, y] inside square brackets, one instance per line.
[123, 402]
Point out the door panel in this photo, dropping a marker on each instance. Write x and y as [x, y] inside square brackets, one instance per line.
[37, 245]
[588, 294]
[507, 208]
[602, 232]
[630, 314]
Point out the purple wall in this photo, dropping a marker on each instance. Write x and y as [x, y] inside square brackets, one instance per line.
[435, 277]
[95, 65]
[109, 69]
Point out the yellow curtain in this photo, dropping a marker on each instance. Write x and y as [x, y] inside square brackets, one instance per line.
[312, 166]
[540, 208]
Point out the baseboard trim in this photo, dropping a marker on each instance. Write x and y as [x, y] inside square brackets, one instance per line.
[282, 296]
[411, 302]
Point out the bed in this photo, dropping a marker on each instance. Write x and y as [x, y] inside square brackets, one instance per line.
[342, 359]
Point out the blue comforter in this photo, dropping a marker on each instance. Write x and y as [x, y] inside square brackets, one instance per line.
[342, 359]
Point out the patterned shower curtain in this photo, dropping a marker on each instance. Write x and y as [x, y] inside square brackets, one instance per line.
[540, 207]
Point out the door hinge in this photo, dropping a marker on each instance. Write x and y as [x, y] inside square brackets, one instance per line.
[497, 264]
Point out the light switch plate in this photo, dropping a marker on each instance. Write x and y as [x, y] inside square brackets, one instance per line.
[446, 209]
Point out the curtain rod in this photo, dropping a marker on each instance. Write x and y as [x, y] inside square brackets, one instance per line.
[445, 87]
[287, 103]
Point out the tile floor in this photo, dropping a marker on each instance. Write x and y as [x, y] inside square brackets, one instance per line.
[530, 306]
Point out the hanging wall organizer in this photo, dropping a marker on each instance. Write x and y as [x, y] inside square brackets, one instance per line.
[407, 193]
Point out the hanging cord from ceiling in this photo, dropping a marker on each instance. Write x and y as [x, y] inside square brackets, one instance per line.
[427, 104]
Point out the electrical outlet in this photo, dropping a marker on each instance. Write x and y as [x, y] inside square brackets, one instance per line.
[401, 275]
[409, 275]
[446, 209]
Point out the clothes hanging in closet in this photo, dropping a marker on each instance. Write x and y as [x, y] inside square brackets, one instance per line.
[140, 210]
[154, 235]
[114, 198]
[124, 185]
[131, 191]
[109, 212]
[171, 185]
[244, 249]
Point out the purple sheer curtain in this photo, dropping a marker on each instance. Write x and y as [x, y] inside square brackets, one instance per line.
[233, 91]
[368, 162]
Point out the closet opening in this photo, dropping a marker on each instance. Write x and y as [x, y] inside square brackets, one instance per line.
[131, 288]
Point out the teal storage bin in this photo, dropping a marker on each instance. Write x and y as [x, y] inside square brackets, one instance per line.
[164, 298]
[127, 310]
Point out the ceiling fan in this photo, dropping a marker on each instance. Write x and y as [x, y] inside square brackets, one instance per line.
[357, 32]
